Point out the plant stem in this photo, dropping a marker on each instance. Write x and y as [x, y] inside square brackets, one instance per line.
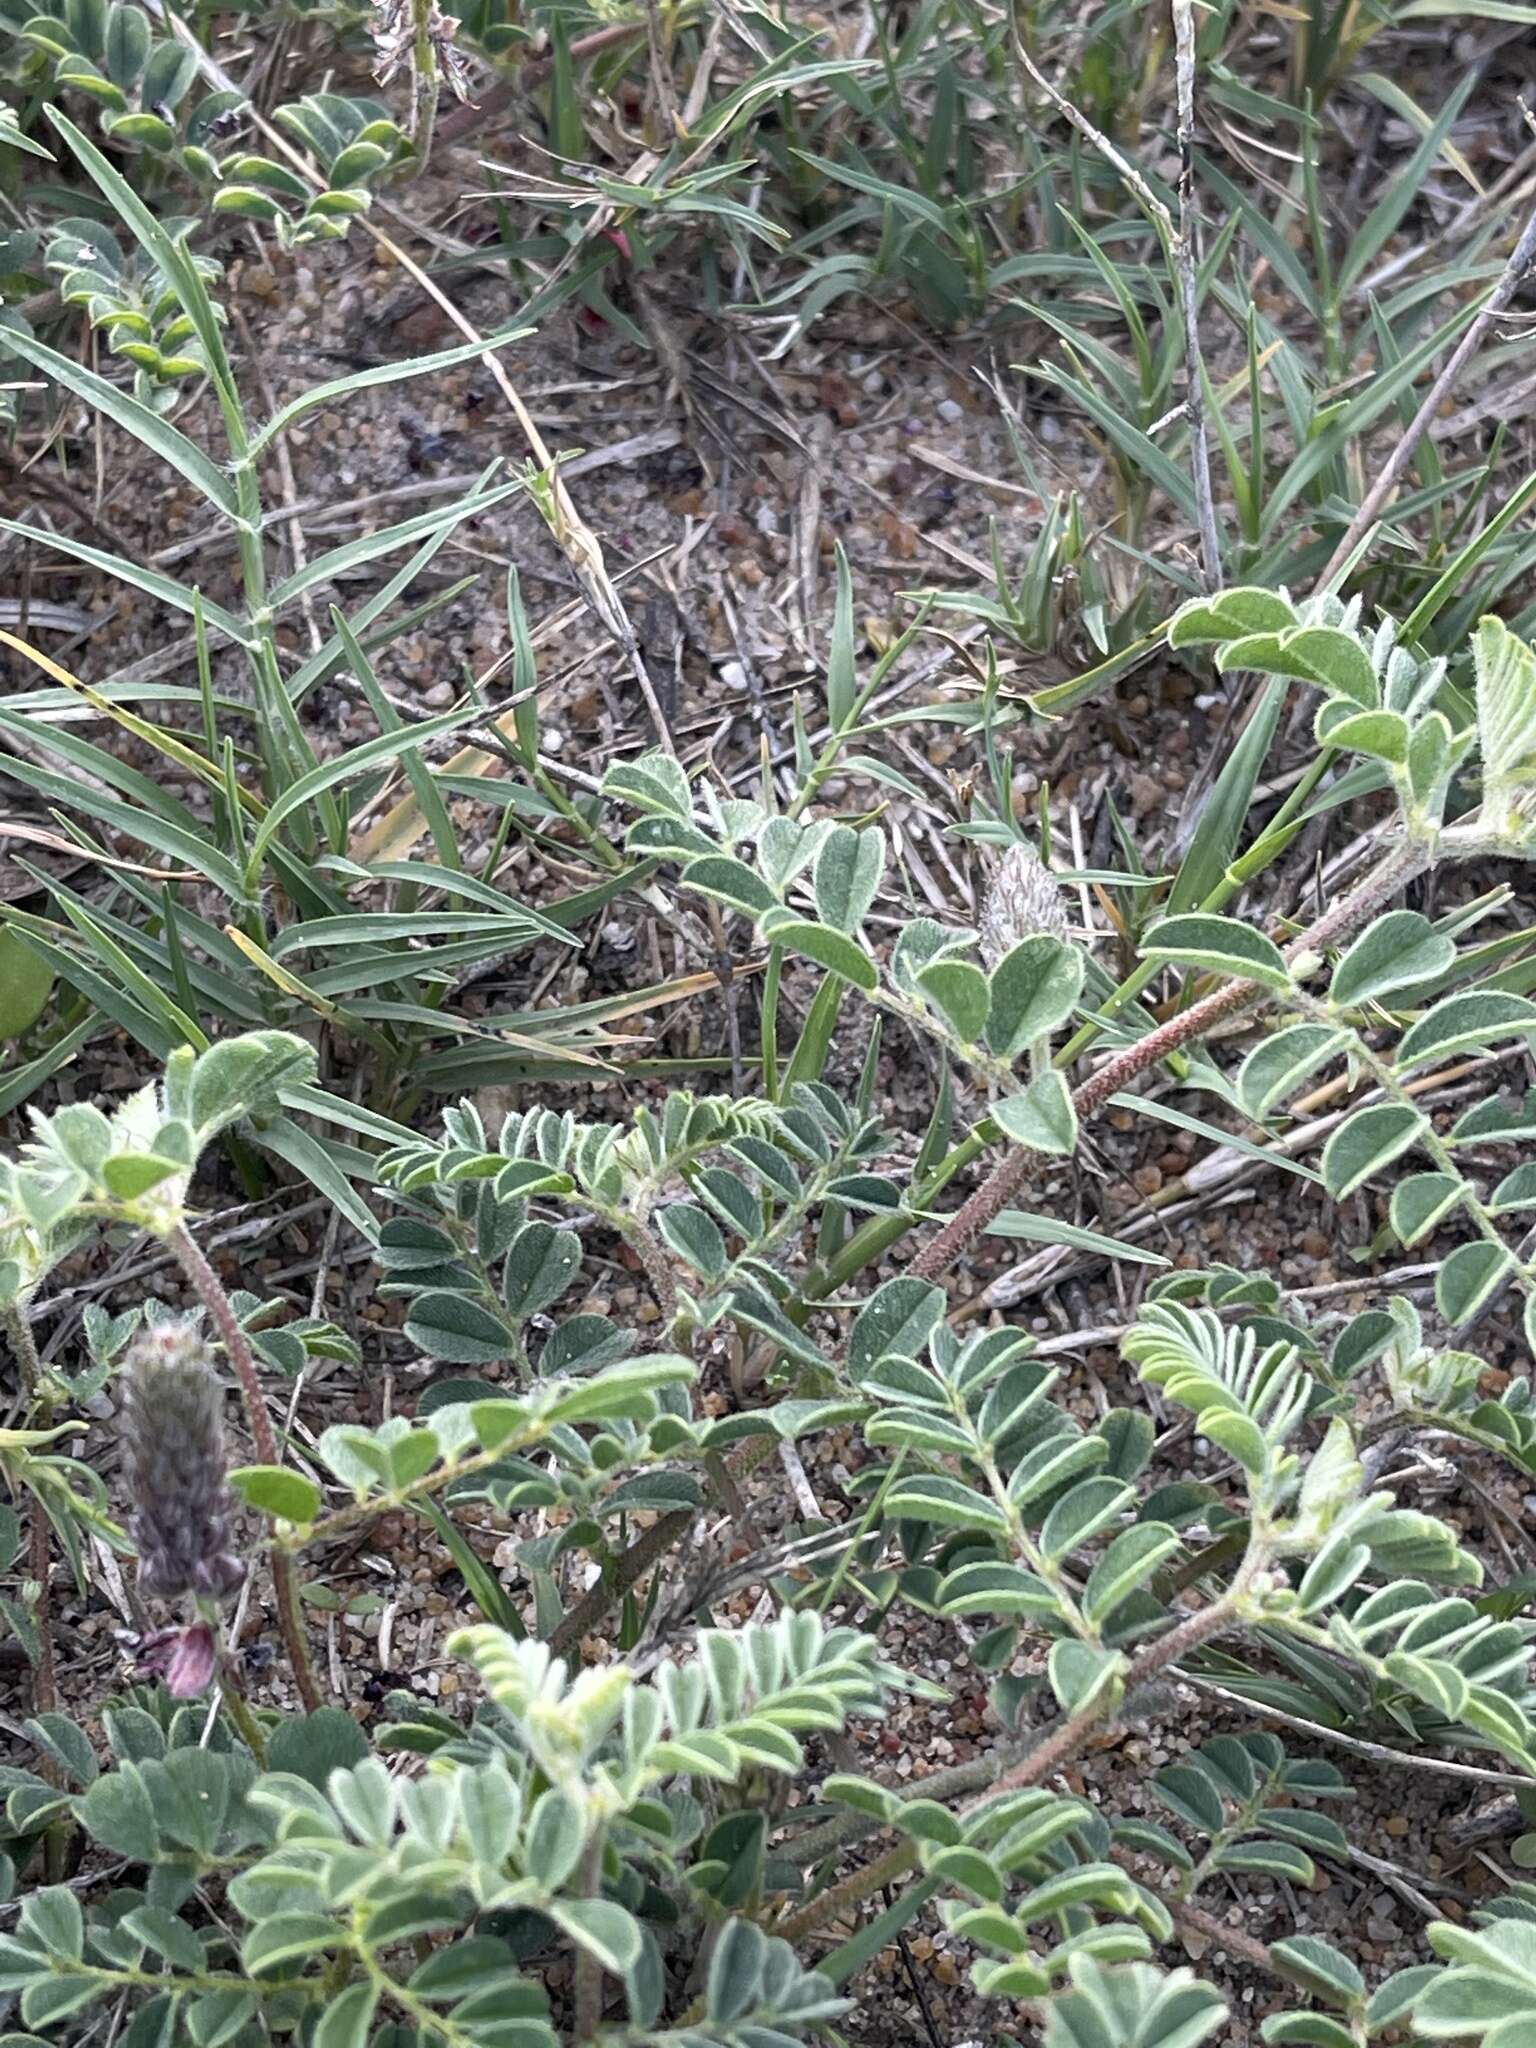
[19, 1330]
[1056, 1748]
[1071, 1734]
[1522, 258]
[237, 1349]
[657, 1271]
[238, 1708]
[427, 83]
[1186, 251]
[587, 2015]
[45, 1691]
[876, 1236]
[1242, 1948]
[45, 1682]
[853, 1890]
[972, 1218]
[644, 1552]
[45, 1687]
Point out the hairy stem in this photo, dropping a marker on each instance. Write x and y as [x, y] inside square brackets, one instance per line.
[426, 83]
[19, 1331]
[1242, 1948]
[974, 1215]
[587, 2015]
[1056, 1748]
[642, 1554]
[45, 1691]
[658, 1272]
[238, 1707]
[1070, 1735]
[237, 1349]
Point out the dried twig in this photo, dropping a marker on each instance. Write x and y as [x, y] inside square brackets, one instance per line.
[1378, 1752]
[661, 68]
[1522, 258]
[1186, 255]
[1151, 204]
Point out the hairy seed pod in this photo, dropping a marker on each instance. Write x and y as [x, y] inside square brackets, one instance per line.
[1023, 898]
[175, 1463]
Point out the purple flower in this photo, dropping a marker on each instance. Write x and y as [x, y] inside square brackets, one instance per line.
[185, 1658]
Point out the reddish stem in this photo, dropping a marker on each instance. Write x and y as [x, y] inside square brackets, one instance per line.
[1049, 1755]
[974, 1215]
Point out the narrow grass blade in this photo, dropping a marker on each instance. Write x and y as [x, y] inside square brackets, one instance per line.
[164, 589]
[433, 808]
[1216, 837]
[121, 407]
[385, 746]
[25, 1080]
[319, 1165]
[369, 546]
[383, 373]
[154, 999]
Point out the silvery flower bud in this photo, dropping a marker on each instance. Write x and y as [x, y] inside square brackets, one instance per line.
[175, 1464]
[1022, 899]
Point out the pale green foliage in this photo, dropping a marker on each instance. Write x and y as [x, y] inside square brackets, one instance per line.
[753, 1172]
[1234, 1792]
[626, 1815]
[1445, 1386]
[134, 1165]
[1489, 1992]
[336, 1867]
[740, 1706]
[1380, 698]
[1505, 669]
[106, 51]
[1135, 2007]
[1246, 1398]
[1026, 1864]
[809, 887]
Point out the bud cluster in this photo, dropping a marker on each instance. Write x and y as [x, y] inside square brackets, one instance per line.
[1023, 898]
[175, 1464]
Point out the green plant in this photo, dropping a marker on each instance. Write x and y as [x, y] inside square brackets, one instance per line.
[651, 1828]
[363, 1899]
[107, 52]
[151, 961]
[1298, 1576]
